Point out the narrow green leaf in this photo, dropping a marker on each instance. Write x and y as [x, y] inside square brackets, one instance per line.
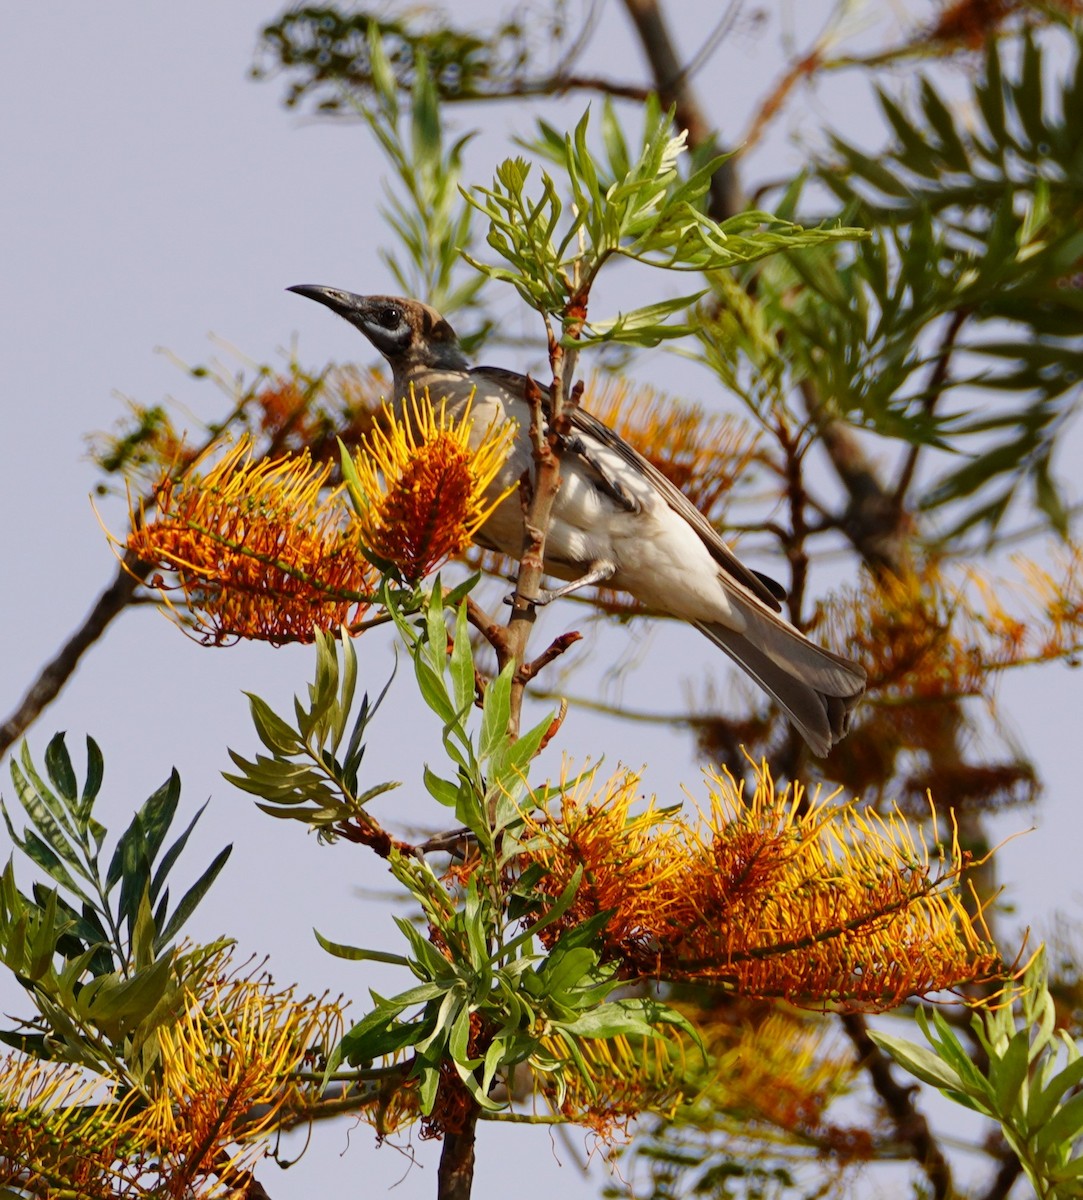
[923, 1064]
[441, 790]
[193, 896]
[276, 734]
[462, 663]
[358, 954]
[1043, 1101]
[496, 714]
[42, 807]
[95, 772]
[157, 814]
[61, 772]
[1065, 1125]
[1008, 1073]
[172, 854]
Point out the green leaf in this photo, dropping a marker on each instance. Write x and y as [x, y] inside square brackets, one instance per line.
[441, 790]
[564, 969]
[559, 908]
[40, 806]
[462, 663]
[157, 814]
[616, 1018]
[193, 896]
[1008, 1073]
[923, 1064]
[95, 772]
[61, 772]
[496, 714]
[1043, 1101]
[1064, 1126]
[170, 857]
[276, 734]
[357, 954]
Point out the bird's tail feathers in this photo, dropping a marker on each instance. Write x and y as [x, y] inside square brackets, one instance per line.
[816, 688]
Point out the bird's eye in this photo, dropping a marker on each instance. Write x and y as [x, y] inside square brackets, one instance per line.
[389, 317]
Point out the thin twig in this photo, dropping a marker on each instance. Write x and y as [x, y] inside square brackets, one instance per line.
[933, 391]
[674, 88]
[553, 651]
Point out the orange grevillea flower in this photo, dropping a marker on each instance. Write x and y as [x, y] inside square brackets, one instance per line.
[773, 895]
[256, 547]
[422, 485]
[704, 454]
[929, 637]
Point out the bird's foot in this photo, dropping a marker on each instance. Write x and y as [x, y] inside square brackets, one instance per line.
[597, 574]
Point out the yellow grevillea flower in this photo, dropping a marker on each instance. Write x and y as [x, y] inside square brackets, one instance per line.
[229, 1078]
[256, 547]
[421, 485]
[789, 895]
[60, 1129]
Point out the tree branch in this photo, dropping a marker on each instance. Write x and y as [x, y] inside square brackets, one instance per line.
[933, 391]
[674, 88]
[55, 674]
[910, 1125]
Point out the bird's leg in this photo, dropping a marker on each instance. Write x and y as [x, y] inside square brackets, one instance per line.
[599, 573]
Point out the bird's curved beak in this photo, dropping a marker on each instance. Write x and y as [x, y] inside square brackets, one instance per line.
[337, 300]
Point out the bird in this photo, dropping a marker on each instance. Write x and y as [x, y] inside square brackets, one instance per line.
[616, 519]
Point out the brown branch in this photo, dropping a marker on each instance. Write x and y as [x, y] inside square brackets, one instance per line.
[56, 673]
[910, 1125]
[492, 631]
[553, 651]
[367, 832]
[118, 595]
[933, 391]
[546, 439]
[547, 85]
[455, 1176]
[874, 524]
[801, 68]
[1004, 1180]
[675, 88]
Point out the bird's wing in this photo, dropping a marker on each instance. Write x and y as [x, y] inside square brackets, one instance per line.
[762, 587]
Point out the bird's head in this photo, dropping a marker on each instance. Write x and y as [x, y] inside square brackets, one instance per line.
[406, 332]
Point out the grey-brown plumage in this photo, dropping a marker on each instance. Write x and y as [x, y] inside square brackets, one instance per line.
[616, 520]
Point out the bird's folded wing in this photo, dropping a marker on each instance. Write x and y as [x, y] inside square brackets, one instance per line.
[589, 427]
